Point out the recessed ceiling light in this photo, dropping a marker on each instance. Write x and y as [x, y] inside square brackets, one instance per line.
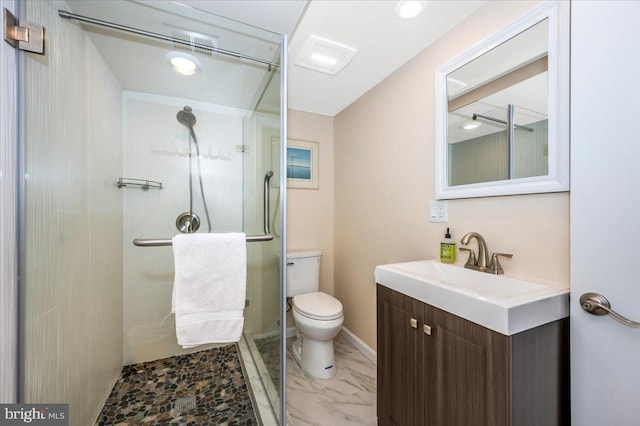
[409, 9]
[183, 63]
[470, 125]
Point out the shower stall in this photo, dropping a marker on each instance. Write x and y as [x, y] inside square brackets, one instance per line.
[143, 120]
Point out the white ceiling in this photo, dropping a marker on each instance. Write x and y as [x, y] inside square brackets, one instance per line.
[140, 63]
[384, 43]
[278, 16]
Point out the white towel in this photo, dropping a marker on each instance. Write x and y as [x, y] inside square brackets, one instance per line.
[209, 287]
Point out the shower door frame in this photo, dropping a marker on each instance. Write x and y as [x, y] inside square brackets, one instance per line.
[283, 226]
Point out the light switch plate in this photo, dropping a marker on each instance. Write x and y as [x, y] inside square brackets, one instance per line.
[438, 211]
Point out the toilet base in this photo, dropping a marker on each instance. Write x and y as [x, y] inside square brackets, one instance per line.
[315, 357]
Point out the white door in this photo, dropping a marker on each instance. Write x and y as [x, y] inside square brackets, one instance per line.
[605, 210]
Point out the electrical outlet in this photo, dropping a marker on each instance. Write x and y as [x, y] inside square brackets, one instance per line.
[438, 211]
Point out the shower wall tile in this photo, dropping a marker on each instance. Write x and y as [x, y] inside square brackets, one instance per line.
[156, 148]
[73, 277]
[8, 218]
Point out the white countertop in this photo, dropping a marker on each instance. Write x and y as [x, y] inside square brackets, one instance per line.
[503, 303]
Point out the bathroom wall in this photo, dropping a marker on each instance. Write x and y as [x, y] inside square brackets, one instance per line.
[310, 220]
[73, 259]
[384, 179]
[156, 148]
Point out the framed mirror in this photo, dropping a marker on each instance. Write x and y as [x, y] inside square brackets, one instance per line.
[502, 111]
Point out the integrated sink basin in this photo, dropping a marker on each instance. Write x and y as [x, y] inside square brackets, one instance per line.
[502, 303]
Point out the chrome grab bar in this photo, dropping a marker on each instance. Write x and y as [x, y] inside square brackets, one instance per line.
[266, 198]
[597, 304]
[157, 242]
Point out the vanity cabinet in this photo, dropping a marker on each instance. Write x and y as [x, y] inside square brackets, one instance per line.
[435, 368]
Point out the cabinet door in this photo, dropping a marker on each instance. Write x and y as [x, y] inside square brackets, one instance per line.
[400, 397]
[466, 378]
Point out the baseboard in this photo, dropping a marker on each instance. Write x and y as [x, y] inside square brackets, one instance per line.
[366, 350]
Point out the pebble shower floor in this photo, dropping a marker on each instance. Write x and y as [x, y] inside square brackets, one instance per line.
[162, 392]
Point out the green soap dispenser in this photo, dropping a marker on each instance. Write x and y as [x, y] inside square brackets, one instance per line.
[447, 249]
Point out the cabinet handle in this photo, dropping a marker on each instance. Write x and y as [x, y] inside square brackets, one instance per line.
[427, 330]
[414, 323]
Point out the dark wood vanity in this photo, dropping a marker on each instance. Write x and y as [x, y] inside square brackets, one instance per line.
[436, 368]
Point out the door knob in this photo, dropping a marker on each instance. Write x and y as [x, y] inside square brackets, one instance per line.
[597, 304]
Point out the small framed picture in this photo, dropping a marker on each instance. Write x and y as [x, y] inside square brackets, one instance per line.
[302, 163]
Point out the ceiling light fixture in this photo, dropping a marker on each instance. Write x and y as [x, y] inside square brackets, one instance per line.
[324, 59]
[409, 9]
[183, 63]
[470, 125]
[323, 55]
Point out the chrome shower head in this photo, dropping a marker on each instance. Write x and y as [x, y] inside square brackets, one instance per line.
[186, 117]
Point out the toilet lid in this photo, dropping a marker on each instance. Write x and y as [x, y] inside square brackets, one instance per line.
[318, 306]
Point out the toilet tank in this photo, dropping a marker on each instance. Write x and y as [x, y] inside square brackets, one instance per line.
[303, 272]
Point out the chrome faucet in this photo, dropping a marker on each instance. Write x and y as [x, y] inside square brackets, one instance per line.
[482, 262]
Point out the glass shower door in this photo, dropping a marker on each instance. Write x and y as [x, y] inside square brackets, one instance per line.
[263, 325]
[106, 159]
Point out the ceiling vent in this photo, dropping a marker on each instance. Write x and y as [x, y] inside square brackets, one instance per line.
[322, 55]
[199, 43]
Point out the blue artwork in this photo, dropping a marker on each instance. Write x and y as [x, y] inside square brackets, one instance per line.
[299, 163]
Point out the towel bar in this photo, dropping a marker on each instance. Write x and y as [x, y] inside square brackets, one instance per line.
[149, 242]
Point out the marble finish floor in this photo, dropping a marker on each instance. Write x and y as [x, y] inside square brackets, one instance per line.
[347, 399]
[148, 393]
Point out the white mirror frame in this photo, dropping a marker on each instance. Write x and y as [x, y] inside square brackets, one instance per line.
[558, 100]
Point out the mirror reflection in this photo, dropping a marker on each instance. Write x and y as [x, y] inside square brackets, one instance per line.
[497, 112]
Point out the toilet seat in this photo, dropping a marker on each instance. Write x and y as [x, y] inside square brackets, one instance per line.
[318, 306]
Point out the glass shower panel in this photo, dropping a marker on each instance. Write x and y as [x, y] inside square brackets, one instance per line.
[101, 108]
[262, 182]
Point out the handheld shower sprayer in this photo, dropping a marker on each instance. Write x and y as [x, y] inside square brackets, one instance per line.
[186, 117]
[188, 222]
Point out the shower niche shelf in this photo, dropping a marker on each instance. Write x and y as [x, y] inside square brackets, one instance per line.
[143, 184]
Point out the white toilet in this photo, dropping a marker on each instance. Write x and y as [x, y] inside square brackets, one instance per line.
[318, 316]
